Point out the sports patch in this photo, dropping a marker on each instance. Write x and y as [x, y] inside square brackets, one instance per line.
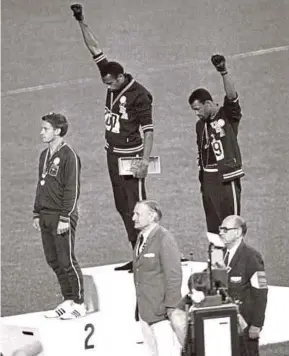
[122, 100]
[122, 108]
[259, 280]
[218, 125]
[53, 170]
[56, 160]
[236, 279]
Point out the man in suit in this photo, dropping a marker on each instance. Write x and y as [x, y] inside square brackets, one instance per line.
[247, 281]
[157, 278]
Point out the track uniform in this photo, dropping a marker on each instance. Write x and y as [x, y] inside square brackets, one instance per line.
[126, 111]
[56, 200]
[220, 164]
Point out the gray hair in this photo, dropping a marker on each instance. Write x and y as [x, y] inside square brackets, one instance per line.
[239, 222]
[154, 207]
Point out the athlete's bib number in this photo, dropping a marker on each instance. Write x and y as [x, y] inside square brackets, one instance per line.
[218, 149]
[111, 121]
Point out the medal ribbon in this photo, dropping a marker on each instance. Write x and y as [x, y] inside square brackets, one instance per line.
[46, 161]
[112, 102]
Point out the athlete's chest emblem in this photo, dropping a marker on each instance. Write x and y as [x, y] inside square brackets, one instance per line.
[122, 108]
[218, 125]
[54, 167]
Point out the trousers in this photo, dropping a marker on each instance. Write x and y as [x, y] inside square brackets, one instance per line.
[127, 191]
[248, 347]
[219, 199]
[160, 339]
[60, 256]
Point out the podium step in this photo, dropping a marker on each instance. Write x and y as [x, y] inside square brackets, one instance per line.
[110, 328]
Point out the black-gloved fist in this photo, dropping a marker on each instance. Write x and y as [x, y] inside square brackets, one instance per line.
[77, 12]
[219, 62]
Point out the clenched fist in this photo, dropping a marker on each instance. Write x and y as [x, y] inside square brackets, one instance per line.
[219, 63]
[77, 12]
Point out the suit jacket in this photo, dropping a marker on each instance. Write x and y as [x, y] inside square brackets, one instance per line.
[157, 275]
[248, 284]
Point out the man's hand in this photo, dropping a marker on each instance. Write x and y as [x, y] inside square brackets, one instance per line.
[254, 332]
[36, 224]
[77, 12]
[62, 227]
[169, 311]
[179, 324]
[219, 63]
[140, 169]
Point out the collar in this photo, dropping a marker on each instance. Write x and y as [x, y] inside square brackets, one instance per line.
[115, 96]
[56, 148]
[148, 230]
[233, 250]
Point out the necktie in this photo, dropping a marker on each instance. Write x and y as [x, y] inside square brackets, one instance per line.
[139, 249]
[226, 258]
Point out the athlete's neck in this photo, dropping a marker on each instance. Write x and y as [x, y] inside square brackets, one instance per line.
[53, 145]
[125, 82]
[214, 111]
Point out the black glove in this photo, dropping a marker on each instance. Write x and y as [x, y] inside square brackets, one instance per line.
[219, 62]
[77, 12]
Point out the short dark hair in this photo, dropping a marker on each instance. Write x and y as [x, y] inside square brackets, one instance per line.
[202, 95]
[112, 68]
[57, 121]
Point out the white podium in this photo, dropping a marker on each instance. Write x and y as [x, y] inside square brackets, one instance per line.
[110, 328]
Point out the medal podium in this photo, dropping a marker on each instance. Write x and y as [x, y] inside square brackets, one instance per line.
[109, 327]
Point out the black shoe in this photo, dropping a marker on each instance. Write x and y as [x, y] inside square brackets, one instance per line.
[126, 267]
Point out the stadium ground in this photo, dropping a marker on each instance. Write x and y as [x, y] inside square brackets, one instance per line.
[166, 45]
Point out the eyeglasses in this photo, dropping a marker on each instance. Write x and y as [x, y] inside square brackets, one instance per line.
[226, 229]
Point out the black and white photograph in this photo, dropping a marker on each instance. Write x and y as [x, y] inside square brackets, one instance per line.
[144, 178]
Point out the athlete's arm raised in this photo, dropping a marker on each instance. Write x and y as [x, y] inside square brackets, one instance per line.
[219, 63]
[89, 39]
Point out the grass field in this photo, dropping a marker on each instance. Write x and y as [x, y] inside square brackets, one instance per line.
[166, 45]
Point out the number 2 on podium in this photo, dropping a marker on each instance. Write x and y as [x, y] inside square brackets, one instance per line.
[89, 327]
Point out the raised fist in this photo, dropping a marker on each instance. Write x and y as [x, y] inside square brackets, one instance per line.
[219, 62]
[77, 12]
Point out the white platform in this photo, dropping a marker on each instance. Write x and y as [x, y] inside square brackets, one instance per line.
[113, 329]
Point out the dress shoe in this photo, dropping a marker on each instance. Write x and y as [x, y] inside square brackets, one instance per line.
[125, 267]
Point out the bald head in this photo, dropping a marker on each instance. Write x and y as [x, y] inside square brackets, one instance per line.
[236, 221]
[232, 230]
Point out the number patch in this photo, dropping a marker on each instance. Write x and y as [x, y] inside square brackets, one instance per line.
[217, 147]
[90, 329]
[111, 121]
